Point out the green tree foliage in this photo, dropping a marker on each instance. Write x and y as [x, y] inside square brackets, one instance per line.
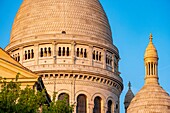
[13, 99]
[60, 106]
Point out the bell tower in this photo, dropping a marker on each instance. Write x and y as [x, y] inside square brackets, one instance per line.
[151, 63]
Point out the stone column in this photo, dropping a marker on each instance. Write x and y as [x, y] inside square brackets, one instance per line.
[90, 55]
[104, 109]
[75, 108]
[118, 64]
[73, 44]
[104, 58]
[91, 106]
[153, 68]
[72, 89]
[54, 52]
[73, 93]
[21, 55]
[147, 68]
[36, 53]
[113, 62]
[150, 69]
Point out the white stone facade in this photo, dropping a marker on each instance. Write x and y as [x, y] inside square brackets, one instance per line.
[71, 49]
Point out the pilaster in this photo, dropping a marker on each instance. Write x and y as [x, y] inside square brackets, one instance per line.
[73, 44]
[54, 52]
[90, 55]
[113, 63]
[36, 51]
[104, 58]
[91, 106]
[21, 55]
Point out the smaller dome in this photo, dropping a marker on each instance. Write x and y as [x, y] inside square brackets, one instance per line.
[128, 97]
[151, 51]
[150, 99]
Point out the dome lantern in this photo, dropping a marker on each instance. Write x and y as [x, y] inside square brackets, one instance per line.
[151, 63]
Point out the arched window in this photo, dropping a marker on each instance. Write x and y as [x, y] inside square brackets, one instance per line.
[97, 56]
[85, 53]
[67, 51]
[14, 57]
[97, 105]
[81, 52]
[64, 96]
[63, 51]
[110, 62]
[41, 52]
[18, 57]
[81, 104]
[106, 59]
[49, 51]
[63, 32]
[77, 52]
[117, 106]
[29, 54]
[100, 56]
[32, 53]
[93, 55]
[59, 51]
[45, 52]
[109, 106]
[25, 55]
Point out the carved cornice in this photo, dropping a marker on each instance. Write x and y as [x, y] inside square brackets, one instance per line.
[50, 68]
[86, 79]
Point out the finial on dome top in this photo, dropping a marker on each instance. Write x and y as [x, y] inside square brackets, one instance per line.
[151, 38]
[129, 84]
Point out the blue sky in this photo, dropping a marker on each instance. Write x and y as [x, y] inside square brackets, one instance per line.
[131, 22]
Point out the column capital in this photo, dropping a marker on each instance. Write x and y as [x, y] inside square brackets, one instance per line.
[36, 44]
[21, 47]
[73, 43]
[54, 43]
[90, 45]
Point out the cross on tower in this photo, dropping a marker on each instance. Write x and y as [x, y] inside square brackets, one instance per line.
[151, 38]
[129, 84]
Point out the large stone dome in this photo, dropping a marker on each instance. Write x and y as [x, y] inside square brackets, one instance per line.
[69, 44]
[73, 17]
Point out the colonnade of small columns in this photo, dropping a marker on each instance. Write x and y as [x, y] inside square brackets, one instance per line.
[151, 68]
[53, 50]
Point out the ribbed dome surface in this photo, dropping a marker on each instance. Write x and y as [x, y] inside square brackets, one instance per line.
[150, 99]
[75, 17]
[129, 96]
